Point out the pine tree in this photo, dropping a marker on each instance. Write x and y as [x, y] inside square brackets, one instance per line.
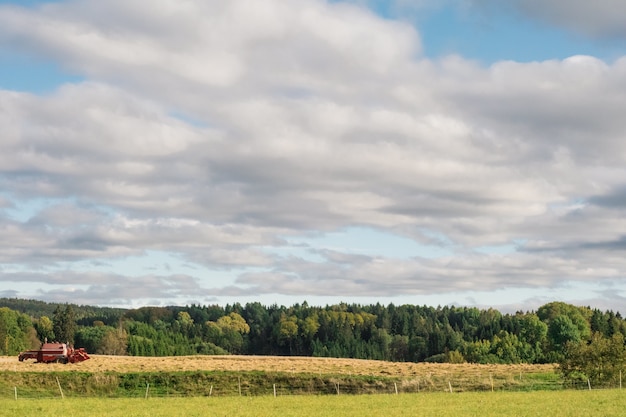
[64, 324]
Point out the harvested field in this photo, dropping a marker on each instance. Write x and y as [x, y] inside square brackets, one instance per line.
[103, 363]
[258, 375]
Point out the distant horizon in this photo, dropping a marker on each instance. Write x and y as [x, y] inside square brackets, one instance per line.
[502, 311]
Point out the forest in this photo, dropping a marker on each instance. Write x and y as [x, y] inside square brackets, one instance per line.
[556, 333]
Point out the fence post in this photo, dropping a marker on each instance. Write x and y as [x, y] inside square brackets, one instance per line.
[211, 391]
[274, 390]
[59, 384]
[147, 389]
[395, 384]
[15, 389]
[491, 380]
[620, 379]
[239, 384]
[450, 386]
[589, 384]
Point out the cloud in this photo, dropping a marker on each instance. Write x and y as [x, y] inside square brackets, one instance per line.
[226, 49]
[360, 276]
[92, 288]
[613, 199]
[601, 19]
[217, 131]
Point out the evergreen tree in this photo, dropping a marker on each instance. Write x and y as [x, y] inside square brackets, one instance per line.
[64, 324]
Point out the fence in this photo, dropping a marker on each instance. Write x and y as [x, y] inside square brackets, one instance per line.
[189, 384]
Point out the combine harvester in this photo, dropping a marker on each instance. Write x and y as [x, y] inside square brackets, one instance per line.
[55, 352]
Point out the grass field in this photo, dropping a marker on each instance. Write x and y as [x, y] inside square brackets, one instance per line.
[243, 387]
[124, 376]
[605, 403]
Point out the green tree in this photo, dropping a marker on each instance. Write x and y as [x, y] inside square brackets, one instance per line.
[562, 331]
[213, 333]
[454, 356]
[44, 328]
[8, 331]
[310, 326]
[287, 331]
[258, 319]
[381, 341]
[601, 360]
[479, 352]
[90, 337]
[184, 319]
[507, 347]
[228, 332]
[418, 348]
[534, 332]
[64, 324]
[579, 316]
[114, 342]
[399, 348]
[16, 332]
[234, 322]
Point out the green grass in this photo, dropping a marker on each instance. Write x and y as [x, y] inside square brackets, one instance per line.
[606, 403]
[39, 385]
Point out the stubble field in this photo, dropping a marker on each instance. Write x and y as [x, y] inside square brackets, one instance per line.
[512, 385]
[298, 374]
[104, 363]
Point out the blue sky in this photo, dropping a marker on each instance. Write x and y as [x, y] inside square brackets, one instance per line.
[494, 34]
[30, 73]
[451, 152]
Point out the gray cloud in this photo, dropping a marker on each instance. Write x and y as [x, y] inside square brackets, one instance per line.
[601, 18]
[614, 199]
[216, 134]
[105, 289]
[9, 294]
[360, 276]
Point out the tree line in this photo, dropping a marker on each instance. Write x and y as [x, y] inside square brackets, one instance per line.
[556, 333]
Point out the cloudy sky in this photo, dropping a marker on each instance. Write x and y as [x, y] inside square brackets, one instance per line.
[430, 152]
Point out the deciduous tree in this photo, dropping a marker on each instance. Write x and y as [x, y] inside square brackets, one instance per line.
[600, 360]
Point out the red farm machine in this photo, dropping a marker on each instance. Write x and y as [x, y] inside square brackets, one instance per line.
[55, 352]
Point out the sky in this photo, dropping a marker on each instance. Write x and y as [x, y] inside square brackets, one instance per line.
[429, 152]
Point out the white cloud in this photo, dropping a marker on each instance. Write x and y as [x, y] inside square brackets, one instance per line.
[308, 117]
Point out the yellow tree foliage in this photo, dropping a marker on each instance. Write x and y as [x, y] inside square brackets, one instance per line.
[233, 322]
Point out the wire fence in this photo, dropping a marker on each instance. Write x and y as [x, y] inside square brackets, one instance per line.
[205, 384]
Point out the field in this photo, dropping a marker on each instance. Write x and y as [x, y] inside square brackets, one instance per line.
[293, 375]
[102, 363]
[606, 403]
[259, 375]
[244, 386]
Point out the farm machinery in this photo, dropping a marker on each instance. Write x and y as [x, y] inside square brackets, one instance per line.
[55, 352]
